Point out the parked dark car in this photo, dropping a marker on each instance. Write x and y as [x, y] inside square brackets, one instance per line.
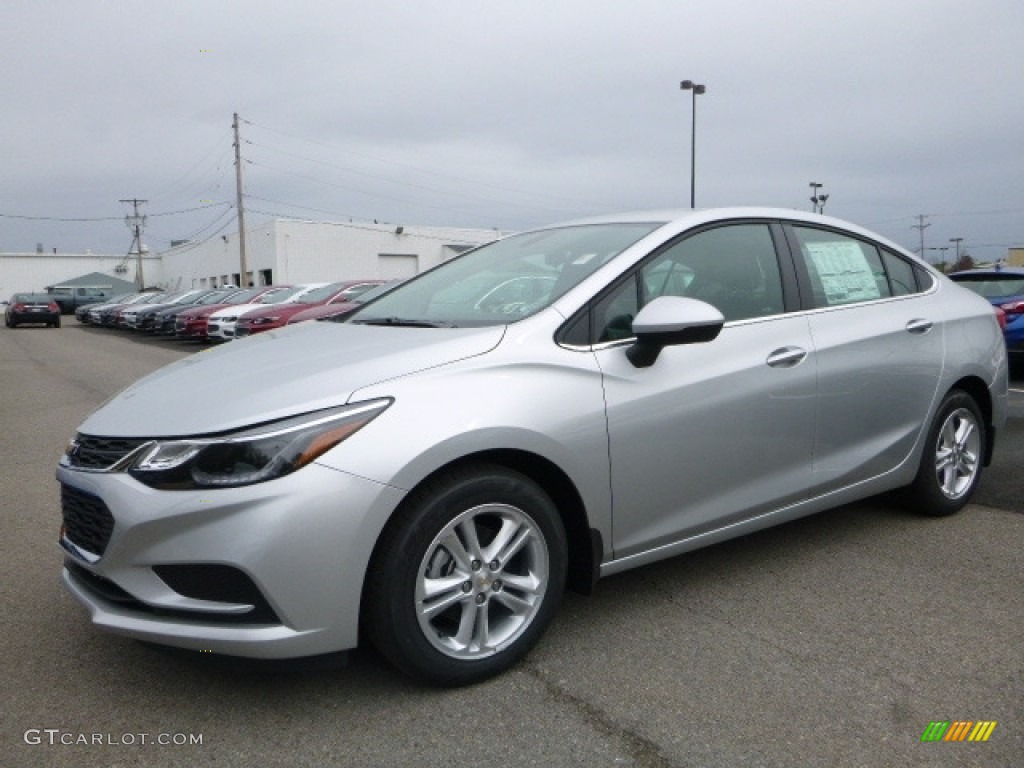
[164, 320]
[113, 315]
[32, 309]
[146, 318]
[106, 314]
[88, 313]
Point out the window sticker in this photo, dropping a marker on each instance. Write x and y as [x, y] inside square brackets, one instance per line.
[845, 273]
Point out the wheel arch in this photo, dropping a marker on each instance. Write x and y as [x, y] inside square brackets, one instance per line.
[585, 544]
[979, 392]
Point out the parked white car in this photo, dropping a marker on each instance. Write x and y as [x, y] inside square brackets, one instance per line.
[221, 325]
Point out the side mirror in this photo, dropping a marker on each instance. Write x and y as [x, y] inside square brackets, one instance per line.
[668, 321]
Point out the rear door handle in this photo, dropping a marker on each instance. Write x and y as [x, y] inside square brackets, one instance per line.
[919, 325]
[786, 357]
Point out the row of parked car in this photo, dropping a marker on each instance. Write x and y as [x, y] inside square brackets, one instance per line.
[222, 314]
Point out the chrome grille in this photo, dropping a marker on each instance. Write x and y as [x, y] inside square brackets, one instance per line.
[101, 452]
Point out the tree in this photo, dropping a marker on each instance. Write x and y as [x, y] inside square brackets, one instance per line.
[964, 262]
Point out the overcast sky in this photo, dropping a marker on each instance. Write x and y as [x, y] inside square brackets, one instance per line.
[508, 113]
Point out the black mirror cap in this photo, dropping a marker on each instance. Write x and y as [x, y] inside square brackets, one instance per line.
[648, 346]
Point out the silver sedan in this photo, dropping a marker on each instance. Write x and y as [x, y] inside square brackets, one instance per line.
[432, 472]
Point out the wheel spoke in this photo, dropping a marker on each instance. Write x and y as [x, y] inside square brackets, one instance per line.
[453, 544]
[467, 624]
[524, 535]
[468, 530]
[526, 584]
[508, 529]
[439, 606]
[432, 588]
[482, 629]
[514, 603]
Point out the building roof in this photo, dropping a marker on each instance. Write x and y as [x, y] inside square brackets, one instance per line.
[98, 279]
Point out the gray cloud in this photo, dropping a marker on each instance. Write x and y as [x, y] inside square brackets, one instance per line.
[510, 113]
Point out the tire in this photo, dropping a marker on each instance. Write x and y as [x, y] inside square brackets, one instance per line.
[56, 323]
[952, 460]
[442, 601]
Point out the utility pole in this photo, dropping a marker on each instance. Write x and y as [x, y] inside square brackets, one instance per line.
[242, 262]
[921, 227]
[136, 221]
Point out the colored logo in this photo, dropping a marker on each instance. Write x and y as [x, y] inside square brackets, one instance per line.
[958, 730]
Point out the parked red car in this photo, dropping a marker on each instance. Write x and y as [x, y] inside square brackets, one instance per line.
[276, 315]
[341, 307]
[191, 324]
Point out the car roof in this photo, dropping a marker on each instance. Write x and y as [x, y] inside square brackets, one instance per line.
[988, 272]
[680, 219]
[30, 296]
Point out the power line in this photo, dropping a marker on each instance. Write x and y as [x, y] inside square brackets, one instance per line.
[81, 219]
[420, 169]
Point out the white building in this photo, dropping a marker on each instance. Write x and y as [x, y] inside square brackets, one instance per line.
[32, 272]
[291, 251]
[282, 251]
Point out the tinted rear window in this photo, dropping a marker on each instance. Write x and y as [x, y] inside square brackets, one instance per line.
[993, 286]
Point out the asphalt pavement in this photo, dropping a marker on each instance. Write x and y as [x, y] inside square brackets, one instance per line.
[832, 641]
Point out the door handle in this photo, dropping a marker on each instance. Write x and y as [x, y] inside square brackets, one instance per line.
[919, 325]
[786, 357]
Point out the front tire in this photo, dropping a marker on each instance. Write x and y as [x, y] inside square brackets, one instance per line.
[953, 457]
[467, 576]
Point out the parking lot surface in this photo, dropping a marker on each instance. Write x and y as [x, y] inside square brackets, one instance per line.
[832, 641]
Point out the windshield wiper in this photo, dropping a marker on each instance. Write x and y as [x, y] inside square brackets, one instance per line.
[404, 322]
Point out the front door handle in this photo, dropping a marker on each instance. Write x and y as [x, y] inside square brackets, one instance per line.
[786, 357]
[919, 325]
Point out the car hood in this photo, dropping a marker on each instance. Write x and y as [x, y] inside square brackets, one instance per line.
[278, 374]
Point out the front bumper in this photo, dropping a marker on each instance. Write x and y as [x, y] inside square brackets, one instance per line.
[298, 547]
[220, 330]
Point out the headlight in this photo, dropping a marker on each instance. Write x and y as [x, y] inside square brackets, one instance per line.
[253, 455]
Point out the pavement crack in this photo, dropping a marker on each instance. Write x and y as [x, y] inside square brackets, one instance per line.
[642, 751]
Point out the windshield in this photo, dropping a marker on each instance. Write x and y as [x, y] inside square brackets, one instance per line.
[322, 293]
[280, 295]
[504, 281]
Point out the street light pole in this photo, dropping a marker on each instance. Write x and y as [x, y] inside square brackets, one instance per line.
[817, 201]
[696, 89]
[957, 241]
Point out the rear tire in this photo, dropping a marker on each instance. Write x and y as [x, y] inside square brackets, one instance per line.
[951, 464]
[467, 576]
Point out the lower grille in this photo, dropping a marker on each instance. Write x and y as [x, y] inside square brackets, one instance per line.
[87, 520]
[108, 591]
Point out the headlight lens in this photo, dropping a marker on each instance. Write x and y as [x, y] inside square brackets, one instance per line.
[253, 455]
